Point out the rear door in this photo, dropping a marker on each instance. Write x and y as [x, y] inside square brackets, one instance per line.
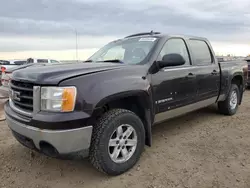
[207, 70]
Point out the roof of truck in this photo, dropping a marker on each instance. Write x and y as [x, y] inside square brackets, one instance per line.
[158, 34]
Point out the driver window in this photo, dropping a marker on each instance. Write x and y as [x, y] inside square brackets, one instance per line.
[176, 46]
[54, 61]
[113, 53]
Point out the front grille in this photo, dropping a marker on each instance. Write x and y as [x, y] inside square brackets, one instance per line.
[23, 95]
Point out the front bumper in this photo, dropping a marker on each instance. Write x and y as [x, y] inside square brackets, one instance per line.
[52, 142]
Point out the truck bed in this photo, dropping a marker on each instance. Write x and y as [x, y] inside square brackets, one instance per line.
[229, 69]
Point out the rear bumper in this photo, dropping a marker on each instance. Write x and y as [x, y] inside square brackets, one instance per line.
[52, 142]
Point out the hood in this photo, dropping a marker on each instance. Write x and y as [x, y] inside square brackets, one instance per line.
[52, 74]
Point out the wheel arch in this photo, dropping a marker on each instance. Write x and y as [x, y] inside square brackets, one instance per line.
[238, 80]
[139, 101]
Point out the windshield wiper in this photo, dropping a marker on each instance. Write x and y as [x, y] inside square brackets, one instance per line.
[90, 60]
[113, 61]
[110, 60]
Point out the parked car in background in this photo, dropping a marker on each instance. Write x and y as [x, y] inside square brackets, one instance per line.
[220, 59]
[6, 72]
[34, 60]
[248, 62]
[16, 63]
[6, 64]
[105, 108]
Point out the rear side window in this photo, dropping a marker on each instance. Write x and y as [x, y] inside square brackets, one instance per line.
[201, 52]
[19, 62]
[54, 61]
[42, 61]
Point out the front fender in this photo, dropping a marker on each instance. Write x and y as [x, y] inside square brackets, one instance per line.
[120, 87]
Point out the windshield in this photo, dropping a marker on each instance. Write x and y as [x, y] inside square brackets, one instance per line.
[127, 51]
[3, 62]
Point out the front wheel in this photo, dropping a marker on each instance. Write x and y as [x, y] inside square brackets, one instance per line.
[117, 142]
[230, 105]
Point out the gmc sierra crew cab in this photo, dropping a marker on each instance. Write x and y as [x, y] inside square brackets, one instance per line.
[104, 108]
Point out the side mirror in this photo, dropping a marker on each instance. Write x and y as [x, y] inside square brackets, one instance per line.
[171, 60]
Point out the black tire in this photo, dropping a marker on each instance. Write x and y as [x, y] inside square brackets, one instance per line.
[224, 106]
[105, 126]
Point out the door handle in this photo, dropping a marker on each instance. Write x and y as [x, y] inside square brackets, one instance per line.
[214, 72]
[190, 75]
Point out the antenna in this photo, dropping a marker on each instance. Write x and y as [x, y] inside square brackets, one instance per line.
[75, 30]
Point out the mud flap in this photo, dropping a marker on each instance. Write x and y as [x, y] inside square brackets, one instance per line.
[241, 94]
[148, 128]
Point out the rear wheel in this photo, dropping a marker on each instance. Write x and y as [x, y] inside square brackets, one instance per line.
[117, 142]
[230, 105]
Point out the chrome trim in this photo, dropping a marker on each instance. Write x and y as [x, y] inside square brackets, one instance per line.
[183, 110]
[166, 69]
[18, 110]
[65, 141]
[36, 99]
[36, 103]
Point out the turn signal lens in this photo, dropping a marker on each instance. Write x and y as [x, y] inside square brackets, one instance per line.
[68, 99]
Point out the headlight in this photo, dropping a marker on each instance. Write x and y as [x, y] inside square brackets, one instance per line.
[58, 99]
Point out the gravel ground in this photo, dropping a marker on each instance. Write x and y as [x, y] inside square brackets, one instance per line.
[202, 149]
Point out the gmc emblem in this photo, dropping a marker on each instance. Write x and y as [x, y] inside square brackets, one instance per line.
[14, 95]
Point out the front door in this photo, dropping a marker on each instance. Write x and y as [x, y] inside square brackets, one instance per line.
[174, 86]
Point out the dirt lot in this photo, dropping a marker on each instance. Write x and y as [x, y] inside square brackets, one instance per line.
[202, 149]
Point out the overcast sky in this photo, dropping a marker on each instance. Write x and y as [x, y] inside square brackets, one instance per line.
[49, 25]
